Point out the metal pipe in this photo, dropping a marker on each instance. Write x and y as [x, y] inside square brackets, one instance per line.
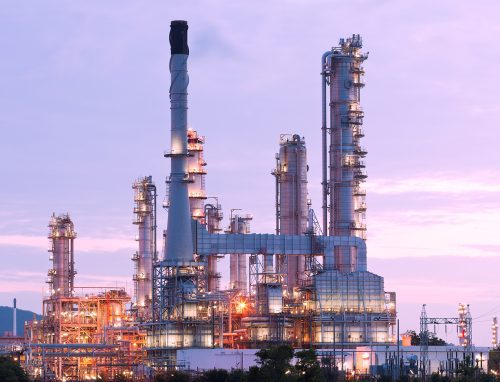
[277, 174]
[291, 245]
[324, 155]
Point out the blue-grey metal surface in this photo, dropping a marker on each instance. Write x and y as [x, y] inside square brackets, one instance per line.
[206, 243]
[179, 246]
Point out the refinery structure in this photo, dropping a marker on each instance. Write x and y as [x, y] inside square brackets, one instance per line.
[306, 284]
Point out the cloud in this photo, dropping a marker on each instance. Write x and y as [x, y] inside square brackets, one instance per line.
[88, 244]
[433, 184]
[12, 280]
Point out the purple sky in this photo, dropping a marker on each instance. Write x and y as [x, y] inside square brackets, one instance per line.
[84, 110]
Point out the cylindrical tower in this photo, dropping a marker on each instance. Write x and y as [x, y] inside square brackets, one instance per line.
[238, 262]
[179, 244]
[145, 219]
[214, 216]
[196, 171]
[291, 178]
[494, 333]
[465, 327]
[14, 318]
[62, 275]
[347, 202]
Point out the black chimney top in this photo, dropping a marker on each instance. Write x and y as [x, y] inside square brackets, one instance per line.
[178, 37]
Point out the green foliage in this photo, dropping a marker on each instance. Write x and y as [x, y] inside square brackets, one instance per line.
[307, 367]
[275, 363]
[237, 375]
[214, 375]
[253, 374]
[10, 371]
[329, 370]
[433, 339]
[172, 376]
[494, 360]
[435, 377]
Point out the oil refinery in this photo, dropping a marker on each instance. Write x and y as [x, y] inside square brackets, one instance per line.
[306, 284]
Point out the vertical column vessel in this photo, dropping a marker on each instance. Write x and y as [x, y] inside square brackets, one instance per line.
[62, 275]
[145, 219]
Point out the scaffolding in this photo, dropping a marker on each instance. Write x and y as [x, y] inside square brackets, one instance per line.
[84, 336]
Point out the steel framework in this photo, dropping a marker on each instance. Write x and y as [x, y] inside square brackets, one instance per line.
[464, 328]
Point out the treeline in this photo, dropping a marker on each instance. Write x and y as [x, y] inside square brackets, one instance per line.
[274, 365]
[10, 371]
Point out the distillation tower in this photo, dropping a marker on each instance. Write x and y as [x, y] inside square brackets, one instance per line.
[62, 274]
[196, 171]
[145, 220]
[344, 213]
[213, 218]
[238, 262]
[352, 302]
[291, 203]
[205, 213]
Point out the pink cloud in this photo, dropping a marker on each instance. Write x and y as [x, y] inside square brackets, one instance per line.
[84, 244]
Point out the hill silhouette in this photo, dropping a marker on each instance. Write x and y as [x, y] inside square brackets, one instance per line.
[22, 316]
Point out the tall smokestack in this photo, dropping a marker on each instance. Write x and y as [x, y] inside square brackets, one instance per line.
[179, 249]
[14, 319]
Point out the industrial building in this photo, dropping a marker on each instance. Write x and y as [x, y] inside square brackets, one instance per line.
[306, 284]
[85, 332]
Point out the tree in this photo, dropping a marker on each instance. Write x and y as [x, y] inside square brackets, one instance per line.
[494, 360]
[307, 366]
[275, 363]
[254, 374]
[237, 375]
[432, 341]
[215, 375]
[172, 376]
[10, 371]
[329, 369]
